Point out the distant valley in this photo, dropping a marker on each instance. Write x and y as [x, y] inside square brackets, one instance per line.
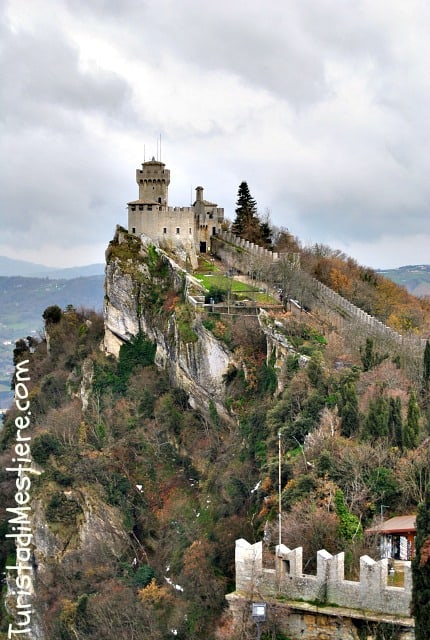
[23, 300]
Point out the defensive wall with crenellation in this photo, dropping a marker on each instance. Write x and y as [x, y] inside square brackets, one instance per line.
[371, 592]
[322, 606]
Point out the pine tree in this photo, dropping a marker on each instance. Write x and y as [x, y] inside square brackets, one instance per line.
[246, 224]
[421, 571]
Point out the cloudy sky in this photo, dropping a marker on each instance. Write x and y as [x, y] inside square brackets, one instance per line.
[322, 106]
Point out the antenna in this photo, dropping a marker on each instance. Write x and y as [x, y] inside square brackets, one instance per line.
[160, 147]
[144, 154]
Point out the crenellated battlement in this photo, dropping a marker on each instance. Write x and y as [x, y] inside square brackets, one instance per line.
[370, 593]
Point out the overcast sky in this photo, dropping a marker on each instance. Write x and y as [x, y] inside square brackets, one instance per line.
[322, 106]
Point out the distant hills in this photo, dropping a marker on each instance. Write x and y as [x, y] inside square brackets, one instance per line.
[416, 278]
[11, 267]
[26, 289]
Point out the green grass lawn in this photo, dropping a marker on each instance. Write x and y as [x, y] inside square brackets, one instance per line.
[239, 289]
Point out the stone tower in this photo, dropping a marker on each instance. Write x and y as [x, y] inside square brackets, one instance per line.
[153, 180]
[187, 230]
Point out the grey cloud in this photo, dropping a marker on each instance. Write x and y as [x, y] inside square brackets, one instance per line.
[46, 84]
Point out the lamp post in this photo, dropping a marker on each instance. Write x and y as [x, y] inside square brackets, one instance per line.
[259, 615]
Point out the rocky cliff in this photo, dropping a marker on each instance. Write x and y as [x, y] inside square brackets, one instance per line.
[196, 361]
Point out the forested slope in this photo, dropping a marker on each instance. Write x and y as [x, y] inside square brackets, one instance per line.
[140, 497]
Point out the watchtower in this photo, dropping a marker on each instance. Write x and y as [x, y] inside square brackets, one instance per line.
[153, 180]
[186, 229]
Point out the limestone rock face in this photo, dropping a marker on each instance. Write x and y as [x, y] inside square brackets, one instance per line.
[97, 533]
[196, 365]
[98, 525]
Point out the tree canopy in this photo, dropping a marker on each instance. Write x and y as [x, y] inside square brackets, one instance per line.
[247, 223]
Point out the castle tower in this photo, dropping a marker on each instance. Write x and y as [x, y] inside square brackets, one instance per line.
[153, 180]
[185, 229]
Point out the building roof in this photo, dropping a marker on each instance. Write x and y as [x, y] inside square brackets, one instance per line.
[144, 202]
[206, 203]
[399, 524]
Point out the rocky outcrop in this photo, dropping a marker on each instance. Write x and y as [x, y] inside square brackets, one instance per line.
[196, 363]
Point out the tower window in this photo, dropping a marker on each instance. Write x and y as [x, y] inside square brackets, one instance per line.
[141, 207]
[159, 200]
[149, 207]
[190, 231]
[133, 230]
[178, 231]
[164, 229]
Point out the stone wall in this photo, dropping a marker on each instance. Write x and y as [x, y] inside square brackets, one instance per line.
[371, 592]
[324, 606]
[244, 255]
[308, 622]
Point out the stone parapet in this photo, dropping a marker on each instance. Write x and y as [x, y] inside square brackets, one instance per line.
[370, 593]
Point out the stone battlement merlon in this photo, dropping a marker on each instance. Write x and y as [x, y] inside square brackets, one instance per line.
[371, 592]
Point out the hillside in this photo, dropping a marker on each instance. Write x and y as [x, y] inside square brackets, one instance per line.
[416, 278]
[156, 454]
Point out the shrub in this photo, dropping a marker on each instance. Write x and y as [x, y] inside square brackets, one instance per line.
[43, 446]
[52, 314]
[60, 508]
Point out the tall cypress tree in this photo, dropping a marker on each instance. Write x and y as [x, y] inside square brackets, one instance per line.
[349, 409]
[376, 425]
[426, 366]
[412, 425]
[395, 424]
[421, 571]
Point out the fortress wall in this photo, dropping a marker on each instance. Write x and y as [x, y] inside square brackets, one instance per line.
[153, 223]
[238, 252]
[254, 249]
[329, 586]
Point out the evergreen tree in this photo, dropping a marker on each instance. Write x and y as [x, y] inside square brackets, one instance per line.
[412, 426]
[426, 367]
[395, 423]
[265, 234]
[246, 224]
[377, 418]
[367, 355]
[421, 571]
[349, 410]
